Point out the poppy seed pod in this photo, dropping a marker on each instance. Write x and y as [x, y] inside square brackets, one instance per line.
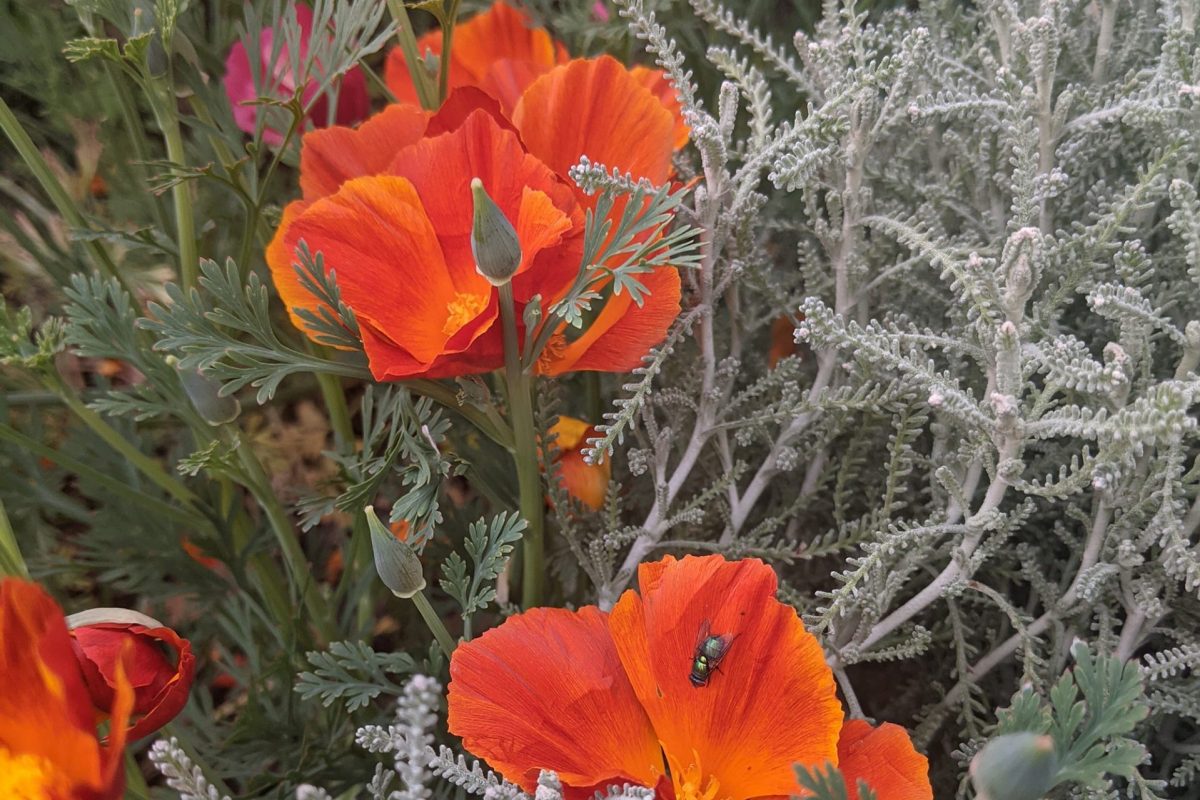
[396, 562]
[1015, 766]
[494, 242]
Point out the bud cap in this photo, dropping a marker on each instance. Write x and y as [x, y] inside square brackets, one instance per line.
[396, 562]
[494, 242]
[1015, 766]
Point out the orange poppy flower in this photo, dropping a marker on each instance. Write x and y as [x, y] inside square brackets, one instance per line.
[587, 483]
[610, 698]
[498, 51]
[389, 206]
[48, 743]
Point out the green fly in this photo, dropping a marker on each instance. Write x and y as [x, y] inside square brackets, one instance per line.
[710, 649]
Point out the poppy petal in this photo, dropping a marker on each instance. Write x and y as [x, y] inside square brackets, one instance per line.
[545, 690]
[331, 156]
[618, 123]
[541, 207]
[770, 703]
[623, 332]
[377, 238]
[656, 81]
[883, 757]
[500, 34]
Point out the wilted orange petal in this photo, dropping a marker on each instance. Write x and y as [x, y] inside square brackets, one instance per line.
[885, 758]
[596, 108]
[376, 236]
[771, 704]
[545, 690]
[622, 333]
[656, 81]
[331, 156]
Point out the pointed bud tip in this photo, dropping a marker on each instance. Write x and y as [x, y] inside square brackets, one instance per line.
[494, 242]
[396, 562]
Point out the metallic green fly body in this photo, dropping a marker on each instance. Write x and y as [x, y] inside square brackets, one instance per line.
[710, 650]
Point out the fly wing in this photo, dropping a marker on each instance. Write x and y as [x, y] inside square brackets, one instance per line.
[705, 630]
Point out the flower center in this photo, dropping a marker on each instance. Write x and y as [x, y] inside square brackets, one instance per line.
[690, 781]
[462, 309]
[24, 776]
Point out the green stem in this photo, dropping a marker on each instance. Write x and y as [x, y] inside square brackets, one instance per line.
[144, 463]
[135, 781]
[162, 103]
[12, 563]
[335, 405]
[529, 477]
[133, 125]
[447, 44]
[53, 189]
[408, 46]
[434, 623]
[285, 535]
[489, 422]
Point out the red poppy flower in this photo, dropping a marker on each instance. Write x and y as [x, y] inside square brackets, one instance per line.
[352, 101]
[587, 483]
[603, 699]
[161, 680]
[389, 207]
[498, 51]
[48, 742]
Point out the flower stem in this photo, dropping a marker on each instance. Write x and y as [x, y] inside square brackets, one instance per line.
[529, 478]
[447, 44]
[285, 535]
[144, 463]
[434, 623]
[12, 563]
[408, 46]
[162, 103]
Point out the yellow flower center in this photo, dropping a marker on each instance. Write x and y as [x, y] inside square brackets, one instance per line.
[462, 309]
[24, 776]
[690, 782]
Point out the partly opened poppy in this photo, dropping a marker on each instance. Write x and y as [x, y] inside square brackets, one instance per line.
[622, 697]
[587, 483]
[48, 742]
[389, 207]
[277, 81]
[157, 661]
[499, 51]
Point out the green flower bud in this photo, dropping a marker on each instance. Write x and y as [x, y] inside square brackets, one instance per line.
[396, 562]
[494, 241]
[1016, 766]
[205, 394]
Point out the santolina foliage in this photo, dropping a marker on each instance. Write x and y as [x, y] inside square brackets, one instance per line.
[912, 295]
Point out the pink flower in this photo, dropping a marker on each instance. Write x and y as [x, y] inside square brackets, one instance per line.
[600, 11]
[352, 100]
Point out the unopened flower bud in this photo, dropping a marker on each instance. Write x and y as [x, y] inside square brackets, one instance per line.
[205, 394]
[1015, 766]
[494, 241]
[396, 562]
